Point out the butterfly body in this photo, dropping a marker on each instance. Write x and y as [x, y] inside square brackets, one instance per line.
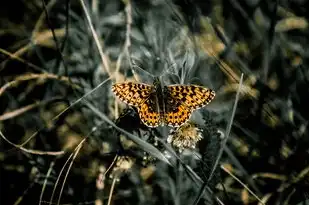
[163, 105]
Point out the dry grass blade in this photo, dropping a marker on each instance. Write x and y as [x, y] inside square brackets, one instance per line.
[14, 113]
[45, 181]
[73, 155]
[69, 168]
[42, 17]
[32, 76]
[16, 57]
[127, 43]
[228, 129]
[43, 38]
[291, 23]
[246, 187]
[300, 176]
[111, 191]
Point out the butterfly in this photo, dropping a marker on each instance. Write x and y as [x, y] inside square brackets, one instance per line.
[163, 105]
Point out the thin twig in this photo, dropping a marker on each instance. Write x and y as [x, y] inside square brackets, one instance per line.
[31, 151]
[113, 162]
[58, 61]
[95, 36]
[16, 57]
[111, 191]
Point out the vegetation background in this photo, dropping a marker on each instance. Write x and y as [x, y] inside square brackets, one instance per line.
[66, 140]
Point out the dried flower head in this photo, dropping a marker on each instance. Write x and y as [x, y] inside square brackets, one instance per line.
[185, 136]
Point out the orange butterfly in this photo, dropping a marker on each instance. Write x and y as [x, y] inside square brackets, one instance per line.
[171, 105]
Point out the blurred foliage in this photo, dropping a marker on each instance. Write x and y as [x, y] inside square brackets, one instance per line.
[66, 140]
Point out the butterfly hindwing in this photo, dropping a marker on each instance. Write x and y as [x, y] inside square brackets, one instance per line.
[132, 93]
[149, 111]
[176, 112]
[193, 96]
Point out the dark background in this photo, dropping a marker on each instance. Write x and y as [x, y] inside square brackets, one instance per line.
[49, 60]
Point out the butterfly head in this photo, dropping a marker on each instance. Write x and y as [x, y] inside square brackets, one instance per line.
[157, 83]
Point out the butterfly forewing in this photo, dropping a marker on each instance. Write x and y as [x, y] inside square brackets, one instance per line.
[132, 93]
[192, 96]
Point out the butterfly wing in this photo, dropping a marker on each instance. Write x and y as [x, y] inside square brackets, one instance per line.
[193, 96]
[176, 112]
[132, 93]
[149, 111]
